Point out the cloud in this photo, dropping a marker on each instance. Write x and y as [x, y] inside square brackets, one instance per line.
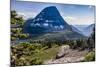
[91, 7]
[27, 15]
[73, 20]
[84, 20]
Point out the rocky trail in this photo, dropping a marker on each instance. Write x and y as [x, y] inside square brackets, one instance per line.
[67, 55]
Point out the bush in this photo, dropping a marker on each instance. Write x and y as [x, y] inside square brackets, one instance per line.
[28, 61]
[13, 38]
[13, 21]
[24, 44]
[36, 61]
[23, 36]
[90, 56]
[24, 54]
[16, 30]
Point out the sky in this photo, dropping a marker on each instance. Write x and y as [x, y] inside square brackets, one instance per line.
[71, 13]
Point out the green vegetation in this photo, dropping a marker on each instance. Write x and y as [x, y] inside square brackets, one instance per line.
[16, 30]
[90, 56]
[36, 52]
[79, 44]
[23, 36]
[31, 54]
[91, 40]
[19, 36]
[15, 19]
[48, 53]
[16, 27]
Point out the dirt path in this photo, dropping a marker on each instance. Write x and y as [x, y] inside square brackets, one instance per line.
[69, 57]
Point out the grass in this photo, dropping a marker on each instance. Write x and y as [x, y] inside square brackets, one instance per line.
[90, 56]
[48, 53]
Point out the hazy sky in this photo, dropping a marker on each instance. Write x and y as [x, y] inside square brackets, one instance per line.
[72, 14]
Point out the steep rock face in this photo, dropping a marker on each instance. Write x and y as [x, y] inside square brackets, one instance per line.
[48, 20]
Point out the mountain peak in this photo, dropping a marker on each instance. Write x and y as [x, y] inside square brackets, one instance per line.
[50, 11]
[53, 7]
[48, 20]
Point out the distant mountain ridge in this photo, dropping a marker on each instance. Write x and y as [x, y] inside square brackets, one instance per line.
[89, 29]
[85, 29]
[75, 29]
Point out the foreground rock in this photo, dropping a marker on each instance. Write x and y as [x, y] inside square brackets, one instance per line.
[62, 52]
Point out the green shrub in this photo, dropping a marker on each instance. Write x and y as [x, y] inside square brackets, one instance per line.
[13, 38]
[27, 53]
[90, 56]
[23, 36]
[16, 30]
[36, 61]
[13, 21]
[24, 44]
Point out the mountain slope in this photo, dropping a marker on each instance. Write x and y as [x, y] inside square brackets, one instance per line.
[49, 24]
[61, 35]
[88, 30]
[75, 29]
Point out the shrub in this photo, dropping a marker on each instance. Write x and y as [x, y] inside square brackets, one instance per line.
[13, 21]
[16, 30]
[90, 56]
[25, 44]
[13, 38]
[36, 61]
[23, 36]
